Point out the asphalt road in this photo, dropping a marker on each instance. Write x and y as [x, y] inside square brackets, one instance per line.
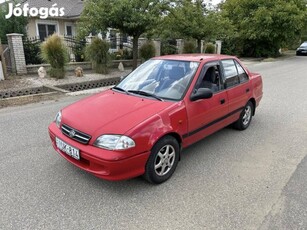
[255, 179]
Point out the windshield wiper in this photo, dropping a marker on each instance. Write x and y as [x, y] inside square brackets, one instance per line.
[120, 89]
[146, 94]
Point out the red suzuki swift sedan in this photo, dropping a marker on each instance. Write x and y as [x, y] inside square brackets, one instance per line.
[140, 126]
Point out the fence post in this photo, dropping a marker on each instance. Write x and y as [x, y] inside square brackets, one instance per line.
[218, 44]
[202, 47]
[2, 64]
[142, 41]
[157, 43]
[180, 44]
[17, 53]
[89, 39]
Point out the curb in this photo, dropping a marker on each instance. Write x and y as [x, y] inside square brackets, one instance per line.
[54, 88]
[22, 100]
[57, 92]
[89, 91]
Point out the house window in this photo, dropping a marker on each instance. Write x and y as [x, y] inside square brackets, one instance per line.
[69, 30]
[45, 30]
[124, 38]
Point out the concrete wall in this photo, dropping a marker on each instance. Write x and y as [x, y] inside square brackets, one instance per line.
[32, 69]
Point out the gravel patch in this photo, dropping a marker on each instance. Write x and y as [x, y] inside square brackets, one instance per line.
[32, 81]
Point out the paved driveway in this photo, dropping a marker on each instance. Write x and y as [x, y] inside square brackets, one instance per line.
[254, 179]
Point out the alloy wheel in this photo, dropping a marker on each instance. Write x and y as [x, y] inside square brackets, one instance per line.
[247, 115]
[164, 160]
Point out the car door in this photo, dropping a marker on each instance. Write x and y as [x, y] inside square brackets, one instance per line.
[237, 85]
[206, 116]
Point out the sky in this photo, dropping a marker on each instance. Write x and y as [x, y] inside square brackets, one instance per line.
[2, 1]
[216, 2]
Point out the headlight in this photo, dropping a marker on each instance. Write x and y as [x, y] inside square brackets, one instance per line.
[114, 142]
[58, 119]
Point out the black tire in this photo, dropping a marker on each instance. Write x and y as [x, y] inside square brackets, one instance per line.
[245, 117]
[162, 161]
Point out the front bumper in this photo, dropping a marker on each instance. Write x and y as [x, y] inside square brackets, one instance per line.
[301, 52]
[105, 164]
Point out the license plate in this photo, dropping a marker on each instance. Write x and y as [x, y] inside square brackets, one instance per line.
[68, 149]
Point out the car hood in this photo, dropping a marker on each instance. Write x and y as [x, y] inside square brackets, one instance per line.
[110, 112]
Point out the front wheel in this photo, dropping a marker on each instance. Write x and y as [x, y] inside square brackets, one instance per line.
[245, 117]
[162, 161]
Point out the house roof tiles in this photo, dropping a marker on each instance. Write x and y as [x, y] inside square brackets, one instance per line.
[72, 8]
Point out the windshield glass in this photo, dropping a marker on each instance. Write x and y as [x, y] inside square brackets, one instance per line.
[165, 79]
[303, 45]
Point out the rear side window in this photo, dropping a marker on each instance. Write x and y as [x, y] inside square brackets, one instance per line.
[234, 73]
[230, 73]
[242, 74]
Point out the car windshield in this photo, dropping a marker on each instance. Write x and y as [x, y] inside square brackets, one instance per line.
[303, 45]
[160, 79]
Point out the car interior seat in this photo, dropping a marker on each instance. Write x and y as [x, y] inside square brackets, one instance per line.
[210, 80]
[175, 74]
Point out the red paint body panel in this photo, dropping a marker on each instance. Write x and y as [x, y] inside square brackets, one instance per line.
[102, 113]
[146, 120]
[109, 165]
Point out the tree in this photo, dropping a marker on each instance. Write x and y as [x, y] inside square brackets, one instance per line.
[192, 19]
[132, 17]
[11, 25]
[187, 18]
[264, 26]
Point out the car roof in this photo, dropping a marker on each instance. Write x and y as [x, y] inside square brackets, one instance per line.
[195, 57]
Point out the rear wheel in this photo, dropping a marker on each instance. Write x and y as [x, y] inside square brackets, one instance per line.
[245, 117]
[162, 161]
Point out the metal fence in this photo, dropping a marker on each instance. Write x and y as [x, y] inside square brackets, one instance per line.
[31, 47]
[75, 48]
[120, 43]
[7, 57]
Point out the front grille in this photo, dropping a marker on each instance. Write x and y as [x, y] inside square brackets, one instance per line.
[75, 134]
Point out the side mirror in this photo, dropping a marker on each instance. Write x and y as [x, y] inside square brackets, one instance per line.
[201, 93]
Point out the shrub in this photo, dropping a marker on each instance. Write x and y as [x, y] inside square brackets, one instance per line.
[54, 52]
[168, 46]
[210, 48]
[98, 53]
[32, 51]
[189, 47]
[127, 54]
[232, 46]
[147, 50]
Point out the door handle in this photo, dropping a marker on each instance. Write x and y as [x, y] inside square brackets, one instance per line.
[222, 101]
[247, 90]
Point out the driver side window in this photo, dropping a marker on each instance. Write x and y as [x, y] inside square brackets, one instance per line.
[211, 78]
